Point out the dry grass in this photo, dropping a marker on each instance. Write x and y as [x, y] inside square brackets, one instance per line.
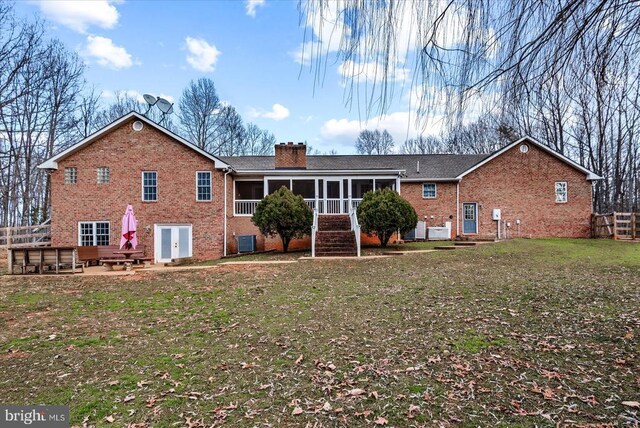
[525, 333]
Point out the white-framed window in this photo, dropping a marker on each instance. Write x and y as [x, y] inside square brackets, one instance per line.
[561, 192]
[429, 191]
[93, 233]
[149, 186]
[103, 175]
[70, 175]
[203, 186]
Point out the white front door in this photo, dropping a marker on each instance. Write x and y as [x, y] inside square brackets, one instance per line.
[333, 196]
[172, 241]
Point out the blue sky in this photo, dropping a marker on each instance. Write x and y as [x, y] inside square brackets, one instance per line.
[250, 49]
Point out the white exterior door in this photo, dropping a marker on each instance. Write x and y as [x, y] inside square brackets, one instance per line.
[172, 241]
[333, 196]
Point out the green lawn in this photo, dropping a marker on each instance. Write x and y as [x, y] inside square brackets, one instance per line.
[518, 334]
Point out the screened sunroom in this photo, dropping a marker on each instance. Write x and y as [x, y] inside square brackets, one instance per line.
[327, 194]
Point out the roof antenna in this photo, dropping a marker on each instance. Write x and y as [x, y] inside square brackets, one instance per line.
[418, 168]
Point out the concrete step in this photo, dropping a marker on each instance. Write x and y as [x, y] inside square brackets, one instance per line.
[465, 244]
[336, 254]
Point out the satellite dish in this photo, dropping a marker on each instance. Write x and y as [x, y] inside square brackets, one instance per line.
[164, 105]
[150, 99]
[170, 109]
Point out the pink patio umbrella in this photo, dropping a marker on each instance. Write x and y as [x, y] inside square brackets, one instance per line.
[129, 239]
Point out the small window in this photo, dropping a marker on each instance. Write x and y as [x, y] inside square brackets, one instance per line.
[149, 186]
[203, 185]
[93, 233]
[561, 192]
[70, 175]
[103, 175]
[429, 190]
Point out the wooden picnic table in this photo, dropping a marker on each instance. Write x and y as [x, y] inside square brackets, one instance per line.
[129, 259]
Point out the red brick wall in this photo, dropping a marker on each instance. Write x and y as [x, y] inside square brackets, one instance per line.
[522, 185]
[434, 211]
[127, 153]
[290, 155]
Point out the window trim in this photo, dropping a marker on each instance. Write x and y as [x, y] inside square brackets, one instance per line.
[210, 186]
[142, 186]
[94, 222]
[435, 190]
[75, 176]
[98, 175]
[566, 192]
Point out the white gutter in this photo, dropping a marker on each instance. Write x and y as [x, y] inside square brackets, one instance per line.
[318, 172]
[224, 249]
[430, 180]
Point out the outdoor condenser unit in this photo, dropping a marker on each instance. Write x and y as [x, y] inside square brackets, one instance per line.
[246, 243]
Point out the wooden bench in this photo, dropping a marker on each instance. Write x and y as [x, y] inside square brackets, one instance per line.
[128, 263]
[108, 263]
[93, 253]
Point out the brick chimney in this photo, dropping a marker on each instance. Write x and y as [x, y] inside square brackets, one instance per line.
[291, 156]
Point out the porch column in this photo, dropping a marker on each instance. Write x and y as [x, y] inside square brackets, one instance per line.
[317, 195]
[349, 195]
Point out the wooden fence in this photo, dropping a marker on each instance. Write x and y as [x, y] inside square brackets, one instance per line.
[624, 226]
[26, 236]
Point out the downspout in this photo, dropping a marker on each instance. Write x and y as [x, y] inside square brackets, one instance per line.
[224, 234]
[457, 209]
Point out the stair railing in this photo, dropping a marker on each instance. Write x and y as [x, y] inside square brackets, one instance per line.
[314, 229]
[355, 227]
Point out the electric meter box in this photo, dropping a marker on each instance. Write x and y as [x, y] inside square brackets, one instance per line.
[495, 215]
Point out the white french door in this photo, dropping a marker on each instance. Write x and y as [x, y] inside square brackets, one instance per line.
[172, 241]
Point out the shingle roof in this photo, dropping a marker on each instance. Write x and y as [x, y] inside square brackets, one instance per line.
[431, 166]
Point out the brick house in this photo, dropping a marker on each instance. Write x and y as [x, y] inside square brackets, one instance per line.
[190, 203]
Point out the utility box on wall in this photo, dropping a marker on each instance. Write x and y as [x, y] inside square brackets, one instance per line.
[246, 243]
[496, 214]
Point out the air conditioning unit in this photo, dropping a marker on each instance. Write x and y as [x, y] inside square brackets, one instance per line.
[246, 243]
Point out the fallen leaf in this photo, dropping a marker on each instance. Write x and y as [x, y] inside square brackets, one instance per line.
[356, 392]
[634, 404]
[110, 419]
[326, 407]
[299, 360]
[380, 421]
[128, 398]
[297, 411]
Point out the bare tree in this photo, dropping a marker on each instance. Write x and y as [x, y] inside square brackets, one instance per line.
[374, 142]
[229, 138]
[257, 141]
[428, 144]
[199, 105]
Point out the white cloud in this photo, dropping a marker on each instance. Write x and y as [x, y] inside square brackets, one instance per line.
[252, 5]
[306, 52]
[106, 53]
[202, 56]
[278, 112]
[372, 71]
[80, 15]
[132, 93]
[401, 125]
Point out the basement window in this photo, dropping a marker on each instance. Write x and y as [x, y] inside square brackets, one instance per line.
[561, 192]
[93, 233]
